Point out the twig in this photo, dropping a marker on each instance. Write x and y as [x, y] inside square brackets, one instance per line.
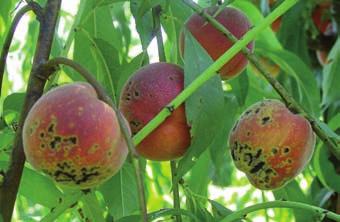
[9, 188]
[280, 204]
[288, 99]
[125, 129]
[9, 38]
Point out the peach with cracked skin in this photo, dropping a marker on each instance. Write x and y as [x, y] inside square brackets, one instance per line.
[270, 144]
[144, 95]
[74, 137]
[215, 42]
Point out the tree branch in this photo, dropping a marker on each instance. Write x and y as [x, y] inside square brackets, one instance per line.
[9, 188]
[287, 98]
[9, 38]
[52, 64]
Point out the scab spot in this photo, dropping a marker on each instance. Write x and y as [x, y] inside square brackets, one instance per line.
[171, 78]
[136, 93]
[248, 133]
[274, 150]
[51, 128]
[265, 120]
[257, 110]
[289, 161]
[42, 135]
[257, 167]
[286, 150]
[128, 97]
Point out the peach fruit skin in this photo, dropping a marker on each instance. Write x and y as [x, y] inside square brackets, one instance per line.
[144, 95]
[215, 42]
[270, 144]
[74, 137]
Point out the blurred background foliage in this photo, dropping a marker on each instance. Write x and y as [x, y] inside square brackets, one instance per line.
[113, 38]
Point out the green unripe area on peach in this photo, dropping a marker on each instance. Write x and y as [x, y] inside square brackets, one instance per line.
[144, 95]
[74, 137]
[215, 42]
[270, 144]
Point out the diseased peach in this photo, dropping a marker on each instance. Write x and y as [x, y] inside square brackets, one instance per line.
[144, 95]
[270, 144]
[74, 137]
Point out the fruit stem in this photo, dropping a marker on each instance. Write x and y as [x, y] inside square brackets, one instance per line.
[51, 64]
[211, 70]
[5, 49]
[35, 87]
[175, 190]
[68, 201]
[280, 204]
[294, 106]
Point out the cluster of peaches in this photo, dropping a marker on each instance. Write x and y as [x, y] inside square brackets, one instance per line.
[75, 138]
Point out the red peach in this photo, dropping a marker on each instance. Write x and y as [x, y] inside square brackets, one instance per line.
[74, 137]
[270, 144]
[215, 42]
[148, 91]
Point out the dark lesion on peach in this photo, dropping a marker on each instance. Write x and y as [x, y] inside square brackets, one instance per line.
[65, 172]
[253, 162]
[265, 120]
[49, 138]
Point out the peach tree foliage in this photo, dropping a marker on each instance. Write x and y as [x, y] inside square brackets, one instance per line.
[110, 38]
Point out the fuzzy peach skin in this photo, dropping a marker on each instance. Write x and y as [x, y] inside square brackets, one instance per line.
[74, 137]
[145, 94]
[270, 144]
[215, 42]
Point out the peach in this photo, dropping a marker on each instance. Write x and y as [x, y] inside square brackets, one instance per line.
[74, 137]
[215, 42]
[270, 144]
[144, 95]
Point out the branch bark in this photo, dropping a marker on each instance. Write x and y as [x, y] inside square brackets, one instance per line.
[287, 98]
[9, 188]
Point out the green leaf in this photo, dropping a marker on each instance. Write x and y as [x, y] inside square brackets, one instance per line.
[120, 192]
[204, 114]
[200, 175]
[111, 64]
[240, 87]
[325, 164]
[6, 139]
[220, 211]
[219, 151]
[14, 102]
[144, 22]
[196, 207]
[307, 91]
[297, 42]
[318, 193]
[92, 208]
[331, 77]
[47, 194]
